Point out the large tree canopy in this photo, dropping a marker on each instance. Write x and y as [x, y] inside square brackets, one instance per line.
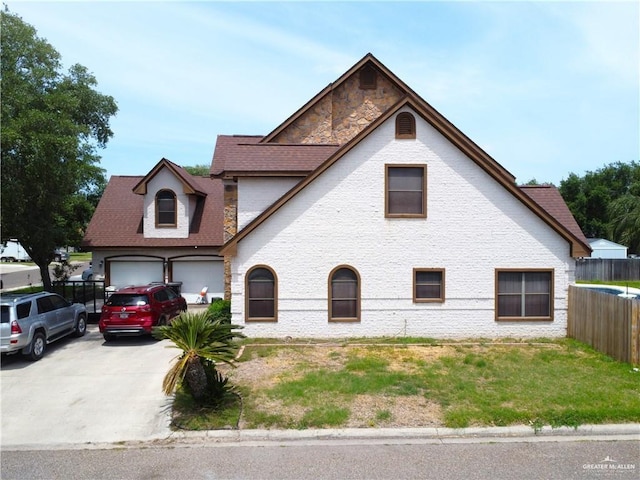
[52, 125]
[606, 203]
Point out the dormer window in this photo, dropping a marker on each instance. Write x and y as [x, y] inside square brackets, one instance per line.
[166, 209]
[405, 125]
[368, 77]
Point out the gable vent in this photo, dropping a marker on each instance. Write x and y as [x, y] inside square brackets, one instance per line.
[405, 125]
[368, 78]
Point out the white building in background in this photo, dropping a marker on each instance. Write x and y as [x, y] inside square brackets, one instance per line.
[602, 248]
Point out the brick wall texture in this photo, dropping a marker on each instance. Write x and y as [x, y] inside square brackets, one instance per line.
[473, 226]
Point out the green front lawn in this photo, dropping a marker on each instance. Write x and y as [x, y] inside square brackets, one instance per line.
[559, 382]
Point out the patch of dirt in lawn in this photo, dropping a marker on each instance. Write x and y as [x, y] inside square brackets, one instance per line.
[264, 371]
[397, 411]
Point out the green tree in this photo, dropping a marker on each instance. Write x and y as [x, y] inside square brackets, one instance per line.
[198, 170]
[624, 225]
[52, 125]
[204, 342]
[589, 197]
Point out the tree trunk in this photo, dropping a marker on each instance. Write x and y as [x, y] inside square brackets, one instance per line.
[196, 378]
[44, 274]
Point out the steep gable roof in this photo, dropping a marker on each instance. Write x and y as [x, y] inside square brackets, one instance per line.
[368, 60]
[231, 155]
[117, 221]
[579, 246]
[190, 185]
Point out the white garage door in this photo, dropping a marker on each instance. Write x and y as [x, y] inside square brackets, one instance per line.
[195, 274]
[123, 273]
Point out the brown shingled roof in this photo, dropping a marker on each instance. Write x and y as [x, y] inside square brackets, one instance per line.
[117, 221]
[549, 198]
[243, 156]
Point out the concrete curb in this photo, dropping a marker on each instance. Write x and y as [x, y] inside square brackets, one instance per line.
[406, 434]
[358, 436]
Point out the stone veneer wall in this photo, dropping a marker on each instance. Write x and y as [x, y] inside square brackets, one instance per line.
[342, 113]
[230, 229]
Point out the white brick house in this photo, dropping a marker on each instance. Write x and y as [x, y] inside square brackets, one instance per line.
[365, 213]
[407, 228]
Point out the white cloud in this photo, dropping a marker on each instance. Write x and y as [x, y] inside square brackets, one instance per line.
[526, 78]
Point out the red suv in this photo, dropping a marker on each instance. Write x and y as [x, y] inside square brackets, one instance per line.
[136, 310]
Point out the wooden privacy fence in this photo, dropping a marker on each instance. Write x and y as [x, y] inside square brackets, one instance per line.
[608, 269]
[608, 323]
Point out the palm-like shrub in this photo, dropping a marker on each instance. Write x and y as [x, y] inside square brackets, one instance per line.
[204, 343]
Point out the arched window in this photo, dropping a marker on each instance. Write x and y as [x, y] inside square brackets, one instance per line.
[405, 125]
[261, 295]
[344, 295]
[166, 209]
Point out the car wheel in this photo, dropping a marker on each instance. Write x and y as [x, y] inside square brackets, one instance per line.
[38, 344]
[90, 278]
[81, 326]
[108, 337]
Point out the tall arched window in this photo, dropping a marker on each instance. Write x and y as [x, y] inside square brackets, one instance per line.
[261, 293]
[405, 125]
[344, 295]
[166, 209]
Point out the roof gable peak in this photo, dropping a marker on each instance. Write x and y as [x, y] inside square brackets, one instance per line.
[188, 181]
[342, 109]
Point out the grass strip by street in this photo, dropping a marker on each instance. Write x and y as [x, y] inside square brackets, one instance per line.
[422, 383]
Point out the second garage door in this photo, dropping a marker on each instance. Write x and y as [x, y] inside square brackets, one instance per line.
[196, 274]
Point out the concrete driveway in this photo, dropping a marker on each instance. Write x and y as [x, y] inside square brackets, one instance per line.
[86, 391]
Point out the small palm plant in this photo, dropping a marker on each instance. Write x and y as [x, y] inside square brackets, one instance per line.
[204, 343]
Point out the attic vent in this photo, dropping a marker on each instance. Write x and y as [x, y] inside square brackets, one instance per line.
[405, 125]
[368, 77]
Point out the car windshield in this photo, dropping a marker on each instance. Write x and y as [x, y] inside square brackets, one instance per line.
[127, 300]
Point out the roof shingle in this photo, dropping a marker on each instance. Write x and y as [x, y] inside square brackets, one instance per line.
[117, 220]
[549, 198]
[236, 155]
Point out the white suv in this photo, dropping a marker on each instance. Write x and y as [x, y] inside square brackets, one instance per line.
[28, 322]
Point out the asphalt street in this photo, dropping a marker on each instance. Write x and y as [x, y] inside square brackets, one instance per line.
[17, 275]
[339, 460]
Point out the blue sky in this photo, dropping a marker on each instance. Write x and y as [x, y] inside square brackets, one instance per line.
[546, 88]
